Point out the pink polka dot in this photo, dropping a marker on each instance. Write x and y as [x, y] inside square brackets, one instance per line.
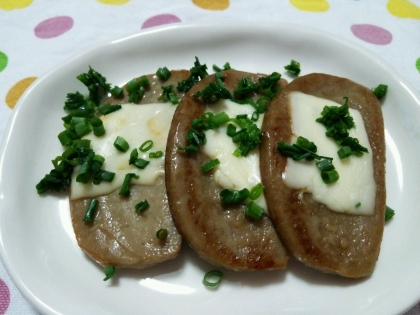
[53, 27]
[372, 34]
[160, 19]
[4, 297]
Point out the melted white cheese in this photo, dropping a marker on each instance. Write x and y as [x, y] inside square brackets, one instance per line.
[136, 124]
[356, 183]
[234, 173]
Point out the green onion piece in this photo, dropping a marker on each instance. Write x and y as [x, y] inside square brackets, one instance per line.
[133, 86]
[256, 191]
[103, 175]
[217, 120]
[163, 73]
[325, 165]
[357, 205]
[82, 128]
[135, 96]
[109, 272]
[141, 206]
[389, 213]
[155, 155]
[144, 81]
[121, 144]
[124, 190]
[234, 196]
[293, 67]
[97, 163]
[190, 149]
[65, 138]
[210, 165]
[133, 156]
[254, 211]
[329, 177]
[380, 90]
[344, 152]
[141, 163]
[98, 127]
[107, 108]
[91, 210]
[255, 116]
[162, 234]
[226, 66]
[213, 278]
[117, 91]
[146, 146]
[81, 144]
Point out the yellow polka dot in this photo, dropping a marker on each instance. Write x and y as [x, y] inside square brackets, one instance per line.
[17, 90]
[115, 2]
[403, 9]
[311, 5]
[212, 4]
[14, 4]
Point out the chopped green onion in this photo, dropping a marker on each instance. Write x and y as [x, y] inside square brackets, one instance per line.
[96, 84]
[82, 128]
[124, 190]
[197, 73]
[155, 155]
[226, 66]
[325, 165]
[65, 138]
[98, 127]
[141, 206]
[234, 196]
[389, 213]
[107, 108]
[103, 175]
[256, 191]
[97, 163]
[133, 156]
[133, 86]
[109, 272]
[146, 146]
[329, 177]
[213, 278]
[121, 144]
[210, 165]
[162, 234]
[144, 81]
[190, 149]
[91, 210]
[135, 96]
[357, 205]
[163, 73]
[293, 67]
[254, 211]
[380, 91]
[141, 163]
[117, 91]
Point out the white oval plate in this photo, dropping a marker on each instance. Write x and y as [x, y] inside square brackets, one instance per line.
[39, 249]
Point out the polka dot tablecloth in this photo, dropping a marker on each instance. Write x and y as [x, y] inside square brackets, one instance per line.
[37, 35]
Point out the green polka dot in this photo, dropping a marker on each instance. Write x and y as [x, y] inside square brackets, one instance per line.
[418, 64]
[3, 61]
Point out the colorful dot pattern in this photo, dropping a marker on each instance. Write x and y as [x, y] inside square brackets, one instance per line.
[52, 28]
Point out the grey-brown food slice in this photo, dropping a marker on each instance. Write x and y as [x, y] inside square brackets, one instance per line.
[224, 236]
[119, 236]
[333, 242]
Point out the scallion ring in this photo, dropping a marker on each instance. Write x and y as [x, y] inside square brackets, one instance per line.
[146, 146]
[213, 278]
[162, 234]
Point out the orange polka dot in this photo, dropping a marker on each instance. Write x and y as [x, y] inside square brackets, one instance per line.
[311, 5]
[403, 9]
[114, 2]
[14, 4]
[17, 90]
[212, 4]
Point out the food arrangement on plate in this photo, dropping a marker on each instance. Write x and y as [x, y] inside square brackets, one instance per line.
[247, 168]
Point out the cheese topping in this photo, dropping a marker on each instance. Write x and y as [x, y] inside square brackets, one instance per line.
[136, 124]
[354, 192]
[234, 173]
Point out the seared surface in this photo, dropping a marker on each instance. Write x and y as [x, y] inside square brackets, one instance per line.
[120, 236]
[222, 235]
[333, 242]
